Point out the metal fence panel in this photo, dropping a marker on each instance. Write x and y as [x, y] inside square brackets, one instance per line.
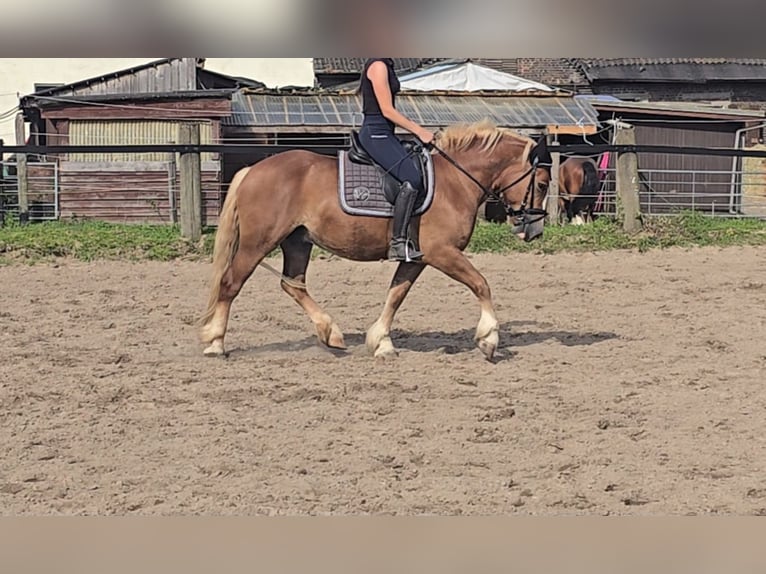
[43, 190]
[715, 193]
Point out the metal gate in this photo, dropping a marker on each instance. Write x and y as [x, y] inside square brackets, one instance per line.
[42, 190]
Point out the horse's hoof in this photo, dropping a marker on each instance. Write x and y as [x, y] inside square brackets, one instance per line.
[386, 354]
[487, 349]
[331, 336]
[375, 336]
[215, 349]
[386, 350]
[337, 345]
[488, 345]
[336, 340]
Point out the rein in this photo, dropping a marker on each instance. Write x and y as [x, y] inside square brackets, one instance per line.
[496, 195]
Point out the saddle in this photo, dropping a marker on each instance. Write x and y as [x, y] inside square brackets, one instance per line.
[366, 189]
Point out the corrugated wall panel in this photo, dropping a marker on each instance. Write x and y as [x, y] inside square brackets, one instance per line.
[129, 132]
[131, 197]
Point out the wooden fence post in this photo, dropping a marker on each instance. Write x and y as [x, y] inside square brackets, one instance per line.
[628, 185]
[191, 183]
[21, 171]
[552, 206]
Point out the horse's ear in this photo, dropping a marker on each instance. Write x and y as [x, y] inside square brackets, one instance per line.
[539, 153]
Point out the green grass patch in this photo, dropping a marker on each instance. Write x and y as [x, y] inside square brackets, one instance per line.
[685, 230]
[91, 240]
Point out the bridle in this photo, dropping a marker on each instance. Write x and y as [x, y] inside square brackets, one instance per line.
[497, 195]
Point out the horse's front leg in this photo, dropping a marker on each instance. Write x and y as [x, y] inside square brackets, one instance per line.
[378, 335]
[456, 265]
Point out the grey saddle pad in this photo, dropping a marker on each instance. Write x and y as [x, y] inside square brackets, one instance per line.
[361, 188]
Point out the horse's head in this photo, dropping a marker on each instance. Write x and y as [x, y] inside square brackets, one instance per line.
[526, 194]
[509, 165]
[525, 179]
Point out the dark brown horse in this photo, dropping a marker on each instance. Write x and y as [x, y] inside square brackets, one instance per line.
[291, 200]
[578, 192]
[578, 189]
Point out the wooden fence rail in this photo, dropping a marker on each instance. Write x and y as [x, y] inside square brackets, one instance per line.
[189, 150]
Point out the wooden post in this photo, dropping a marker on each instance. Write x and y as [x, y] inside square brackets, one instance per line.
[628, 199]
[21, 171]
[553, 188]
[191, 183]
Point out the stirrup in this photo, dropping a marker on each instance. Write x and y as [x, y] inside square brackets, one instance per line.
[403, 250]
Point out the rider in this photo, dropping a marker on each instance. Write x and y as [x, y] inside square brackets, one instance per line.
[379, 86]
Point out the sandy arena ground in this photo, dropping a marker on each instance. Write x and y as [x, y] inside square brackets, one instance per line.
[628, 384]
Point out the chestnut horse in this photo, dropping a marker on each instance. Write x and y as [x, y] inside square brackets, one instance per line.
[291, 200]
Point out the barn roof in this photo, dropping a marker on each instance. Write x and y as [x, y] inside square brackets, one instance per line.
[165, 76]
[551, 71]
[355, 65]
[312, 109]
[580, 72]
[695, 70]
[560, 72]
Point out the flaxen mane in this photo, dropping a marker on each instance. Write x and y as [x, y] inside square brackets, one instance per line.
[483, 134]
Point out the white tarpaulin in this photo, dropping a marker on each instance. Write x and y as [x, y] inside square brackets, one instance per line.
[467, 77]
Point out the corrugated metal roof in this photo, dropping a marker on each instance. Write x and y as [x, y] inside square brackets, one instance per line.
[323, 110]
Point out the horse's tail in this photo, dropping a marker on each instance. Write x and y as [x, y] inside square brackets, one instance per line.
[590, 182]
[226, 246]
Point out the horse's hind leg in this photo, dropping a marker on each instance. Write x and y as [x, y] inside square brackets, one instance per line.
[297, 254]
[456, 265]
[378, 339]
[242, 266]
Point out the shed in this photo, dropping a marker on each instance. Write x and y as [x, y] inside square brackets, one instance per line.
[141, 105]
[671, 182]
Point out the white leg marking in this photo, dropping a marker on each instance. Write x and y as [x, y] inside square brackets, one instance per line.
[375, 335]
[215, 349]
[487, 333]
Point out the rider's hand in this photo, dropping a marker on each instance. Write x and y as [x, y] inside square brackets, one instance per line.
[426, 137]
